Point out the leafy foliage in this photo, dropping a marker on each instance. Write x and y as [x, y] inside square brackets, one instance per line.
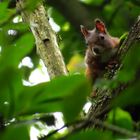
[23, 106]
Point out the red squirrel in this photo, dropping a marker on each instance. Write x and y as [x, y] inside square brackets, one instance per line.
[101, 48]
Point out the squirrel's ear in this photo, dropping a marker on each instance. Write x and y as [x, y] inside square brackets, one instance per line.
[100, 26]
[84, 31]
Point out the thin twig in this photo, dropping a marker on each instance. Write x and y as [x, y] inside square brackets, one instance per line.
[82, 124]
[115, 128]
[64, 126]
[104, 125]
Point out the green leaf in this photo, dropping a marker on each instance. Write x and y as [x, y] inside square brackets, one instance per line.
[65, 94]
[73, 103]
[10, 85]
[120, 118]
[3, 10]
[93, 2]
[12, 55]
[131, 64]
[130, 96]
[19, 27]
[31, 4]
[15, 132]
[68, 34]
[90, 135]
[123, 37]
[57, 16]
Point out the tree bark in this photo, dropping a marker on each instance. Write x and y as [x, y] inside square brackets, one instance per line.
[101, 106]
[45, 38]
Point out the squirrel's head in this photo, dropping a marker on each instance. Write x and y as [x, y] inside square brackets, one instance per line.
[98, 40]
[99, 31]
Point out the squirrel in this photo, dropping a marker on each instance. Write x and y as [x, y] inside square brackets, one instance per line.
[101, 49]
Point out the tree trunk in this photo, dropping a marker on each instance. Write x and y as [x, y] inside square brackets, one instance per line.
[45, 37]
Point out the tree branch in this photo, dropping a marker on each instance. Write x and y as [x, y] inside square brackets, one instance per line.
[115, 129]
[46, 41]
[133, 36]
[82, 124]
[102, 105]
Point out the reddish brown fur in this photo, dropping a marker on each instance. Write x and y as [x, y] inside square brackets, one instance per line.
[100, 51]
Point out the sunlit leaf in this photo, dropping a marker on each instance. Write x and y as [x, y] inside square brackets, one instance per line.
[120, 118]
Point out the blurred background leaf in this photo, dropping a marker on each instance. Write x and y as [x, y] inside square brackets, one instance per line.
[63, 98]
[22, 101]
[98, 135]
[15, 132]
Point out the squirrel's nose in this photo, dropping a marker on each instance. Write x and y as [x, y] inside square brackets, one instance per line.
[102, 37]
